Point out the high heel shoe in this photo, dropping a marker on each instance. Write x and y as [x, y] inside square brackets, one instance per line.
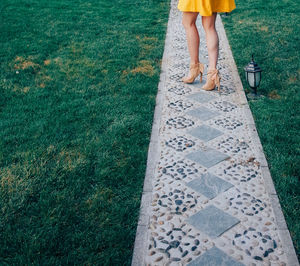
[213, 80]
[195, 70]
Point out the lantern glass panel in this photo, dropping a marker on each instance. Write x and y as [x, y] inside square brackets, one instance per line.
[246, 74]
[251, 80]
[257, 78]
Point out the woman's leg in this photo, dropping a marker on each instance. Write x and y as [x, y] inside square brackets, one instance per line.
[192, 35]
[212, 40]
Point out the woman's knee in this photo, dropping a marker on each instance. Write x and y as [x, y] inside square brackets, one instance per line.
[208, 23]
[189, 20]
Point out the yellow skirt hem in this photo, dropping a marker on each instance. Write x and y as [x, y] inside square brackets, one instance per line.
[207, 14]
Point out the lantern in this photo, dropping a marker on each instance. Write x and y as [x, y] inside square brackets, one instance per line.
[253, 75]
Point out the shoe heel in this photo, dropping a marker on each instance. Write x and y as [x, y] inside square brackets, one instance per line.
[218, 82]
[201, 66]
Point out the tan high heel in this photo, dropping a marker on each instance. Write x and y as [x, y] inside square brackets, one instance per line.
[195, 70]
[213, 80]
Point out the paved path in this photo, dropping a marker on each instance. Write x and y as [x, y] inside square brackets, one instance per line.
[208, 195]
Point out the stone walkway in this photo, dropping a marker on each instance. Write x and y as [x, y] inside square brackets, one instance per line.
[208, 195]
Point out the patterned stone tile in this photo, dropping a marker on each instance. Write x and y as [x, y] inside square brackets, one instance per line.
[202, 113]
[244, 171]
[209, 185]
[247, 204]
[179, 170]
[174, 200]
[212, 221]
[205, 133]
[224, 90]
[224, 106]
[180, 122]
[208, 157]
[255, 244]
[244, 174]
[178, 89]
[177, 77]
[180, 105]
[232, 146]
[201, 97]
[173, 241]
[180, 143]
[215, 257]
[228, 123]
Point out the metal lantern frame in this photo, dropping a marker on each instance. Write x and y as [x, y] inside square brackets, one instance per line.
[251, 69]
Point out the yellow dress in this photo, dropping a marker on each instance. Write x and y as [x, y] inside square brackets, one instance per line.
[206, 7]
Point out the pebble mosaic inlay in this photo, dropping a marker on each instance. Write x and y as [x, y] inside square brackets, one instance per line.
[224, 106]
[255, 244]
[180, 170]
[243, 172]
[247, 204]
[180, 143]
[180, 122]
[228, 123]
[179, 89]
[175, 201]
[180, 105]
[233, 146]
[209, 205]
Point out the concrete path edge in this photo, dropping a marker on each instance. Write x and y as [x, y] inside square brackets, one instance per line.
[140, 247]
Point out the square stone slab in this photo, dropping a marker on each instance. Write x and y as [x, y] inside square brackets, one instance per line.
[202, 113]
[208, 157]
[212, 221]
[214, 257]
[201, 97]
[205, 133]
[209, 185]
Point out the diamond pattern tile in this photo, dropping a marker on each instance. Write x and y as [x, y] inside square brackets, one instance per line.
[201, 97]
[205, 133]
[212, 221]
[202, 113]
[215, 257]
[209, 185]
[208, 157]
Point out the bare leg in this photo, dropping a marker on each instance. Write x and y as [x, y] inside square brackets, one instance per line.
[192, 35]
[212, 39]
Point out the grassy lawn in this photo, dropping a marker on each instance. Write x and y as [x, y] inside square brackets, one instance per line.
[270, 30]
[78, 80]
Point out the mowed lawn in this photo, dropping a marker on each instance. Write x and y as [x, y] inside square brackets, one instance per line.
[78, 80]
[270, 30]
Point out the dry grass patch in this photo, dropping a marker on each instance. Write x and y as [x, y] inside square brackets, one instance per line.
[18, 89]
[274, 95]
[264, 28]
[21, 63]
[144, 68]
[47, 62]
[70, 159]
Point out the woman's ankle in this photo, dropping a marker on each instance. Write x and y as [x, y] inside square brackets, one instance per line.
[194, 62]
[211, 68]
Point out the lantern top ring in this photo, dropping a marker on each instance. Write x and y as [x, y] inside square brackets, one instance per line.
[252, 67]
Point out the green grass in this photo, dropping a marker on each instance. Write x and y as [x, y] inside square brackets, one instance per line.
[270, 30]
[78, 80]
